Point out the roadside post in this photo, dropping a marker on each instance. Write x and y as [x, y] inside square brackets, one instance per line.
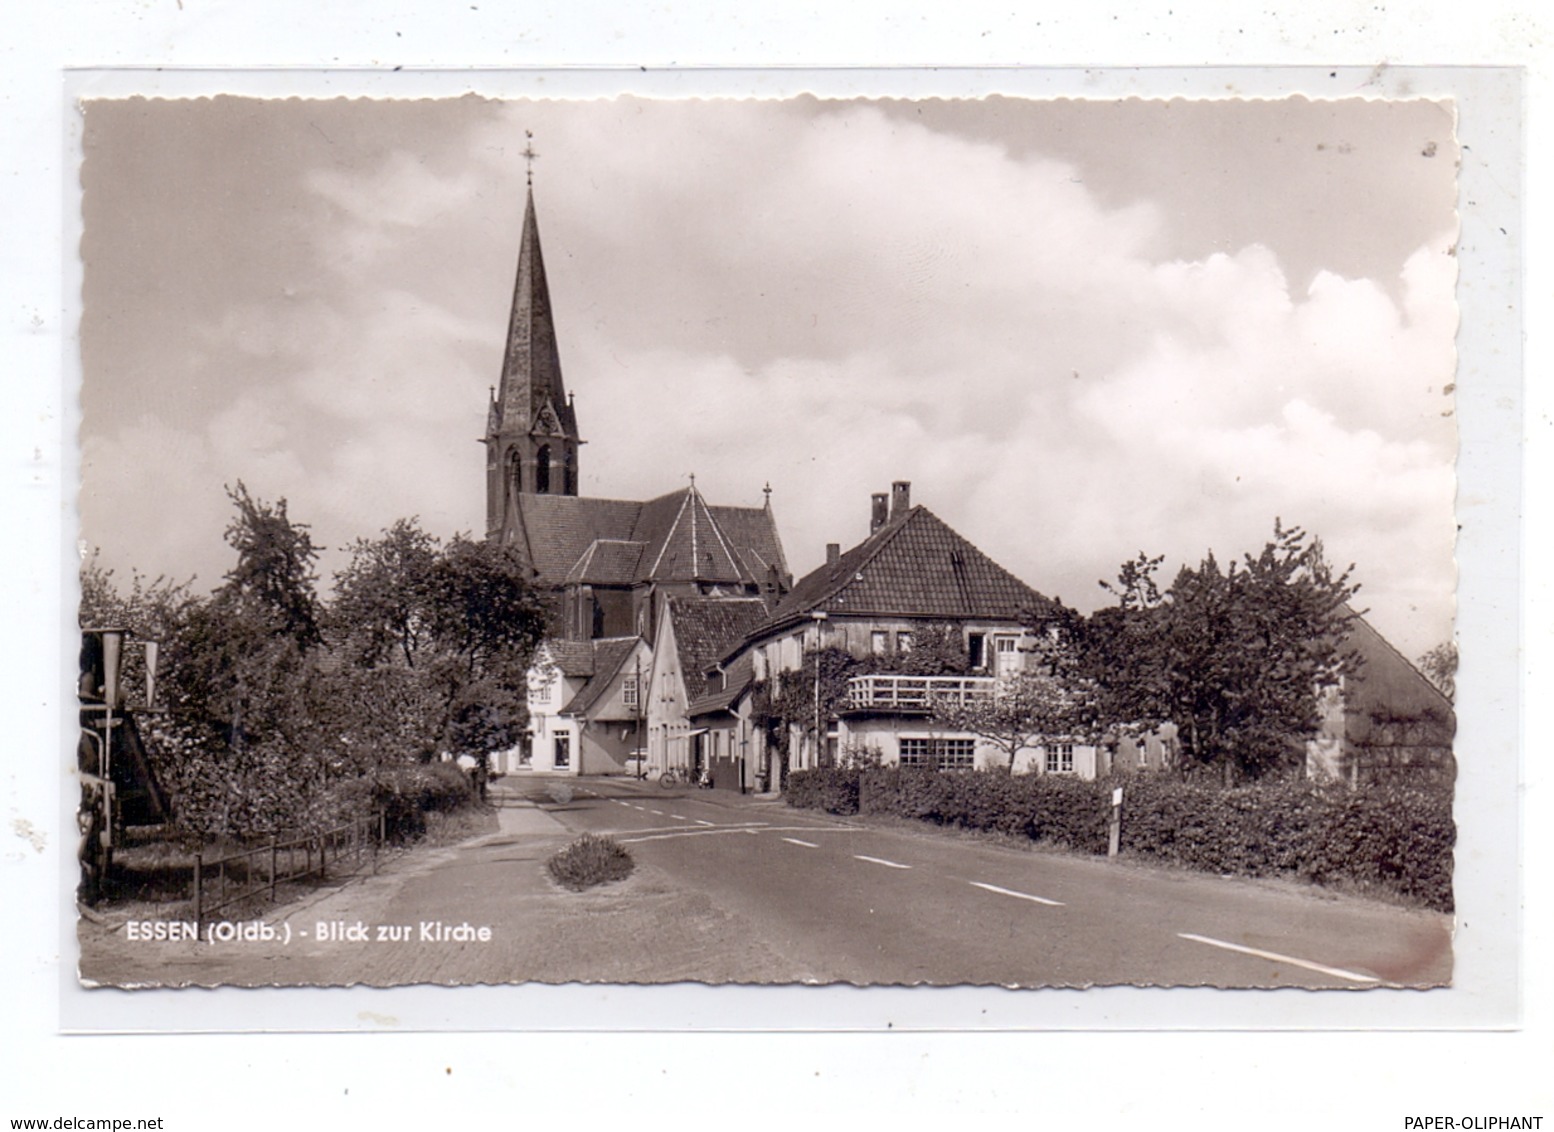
[1114, 840]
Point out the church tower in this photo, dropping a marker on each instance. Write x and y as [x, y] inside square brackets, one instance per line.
[531, 430]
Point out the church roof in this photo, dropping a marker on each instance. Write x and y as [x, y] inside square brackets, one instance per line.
[608, 562]
[691, 546]
[561, 528]
[676, 537]
[913, 566]
[707, 628]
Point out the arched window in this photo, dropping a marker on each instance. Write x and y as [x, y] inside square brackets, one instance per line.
[515, 471]
[569, 473]
[542, 469]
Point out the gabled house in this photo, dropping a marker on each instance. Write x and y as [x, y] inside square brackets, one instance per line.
[692, 634]
[912, 578]
[1388, 723]
[586, 713]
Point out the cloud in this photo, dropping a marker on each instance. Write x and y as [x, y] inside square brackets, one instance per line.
[829, 298]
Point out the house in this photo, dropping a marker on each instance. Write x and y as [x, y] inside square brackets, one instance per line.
[911, 581]
[586, 713]
[1387, 723]
[692, 634]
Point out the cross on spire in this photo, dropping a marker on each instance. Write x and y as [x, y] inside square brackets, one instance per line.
[528, 156]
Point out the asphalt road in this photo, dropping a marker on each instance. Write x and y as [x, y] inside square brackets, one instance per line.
[847, 903]
[740, 889]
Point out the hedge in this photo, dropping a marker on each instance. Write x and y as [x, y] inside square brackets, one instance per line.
[406, 794]
[1393, 837]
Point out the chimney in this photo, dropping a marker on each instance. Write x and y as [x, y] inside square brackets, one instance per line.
[833, 553]
[878, 514]
[900, 499]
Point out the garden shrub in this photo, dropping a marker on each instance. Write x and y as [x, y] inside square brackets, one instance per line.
[407, 793]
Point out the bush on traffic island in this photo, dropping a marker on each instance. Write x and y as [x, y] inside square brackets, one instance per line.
[590, 860]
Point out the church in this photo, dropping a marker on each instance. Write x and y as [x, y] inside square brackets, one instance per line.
[607, 566]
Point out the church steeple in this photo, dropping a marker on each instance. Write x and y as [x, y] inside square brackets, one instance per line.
[531, 432]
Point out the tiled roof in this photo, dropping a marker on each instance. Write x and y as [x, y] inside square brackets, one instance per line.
[753, 531]
[677, 537]
[735, 681]
[706, 628]
[608, 656]
[574, 658]
[561, 528]
[608, 562]
[1388, 677]
[914, 566]
[692, 547]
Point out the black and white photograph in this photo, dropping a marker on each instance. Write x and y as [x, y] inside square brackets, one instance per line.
[998, 542]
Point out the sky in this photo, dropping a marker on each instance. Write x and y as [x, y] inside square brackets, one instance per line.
[1081, 329]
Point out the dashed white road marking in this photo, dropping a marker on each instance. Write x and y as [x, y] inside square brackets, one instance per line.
[642, 808]
[796, 841]
[700, 821]
[880, 861]
[1336, 972]
[660, 813]
[1020, 895]
[679, 817]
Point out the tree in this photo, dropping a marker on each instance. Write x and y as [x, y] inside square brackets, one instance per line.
[272, 584]
[244, 747]
[1439, 666]
[1049, 701]
[461, 619]
[1236, 658]
[383, 597]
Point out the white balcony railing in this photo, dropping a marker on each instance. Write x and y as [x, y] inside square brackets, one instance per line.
[915, 693]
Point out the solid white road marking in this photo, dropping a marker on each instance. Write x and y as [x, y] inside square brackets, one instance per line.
[679, 831]
[1336, 972]
[796, 841]
[880, 861]
[1020, 895]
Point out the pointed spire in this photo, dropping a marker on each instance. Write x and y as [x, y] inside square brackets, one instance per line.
[531, 364]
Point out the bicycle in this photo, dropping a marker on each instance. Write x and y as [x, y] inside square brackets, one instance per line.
[671, 778]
